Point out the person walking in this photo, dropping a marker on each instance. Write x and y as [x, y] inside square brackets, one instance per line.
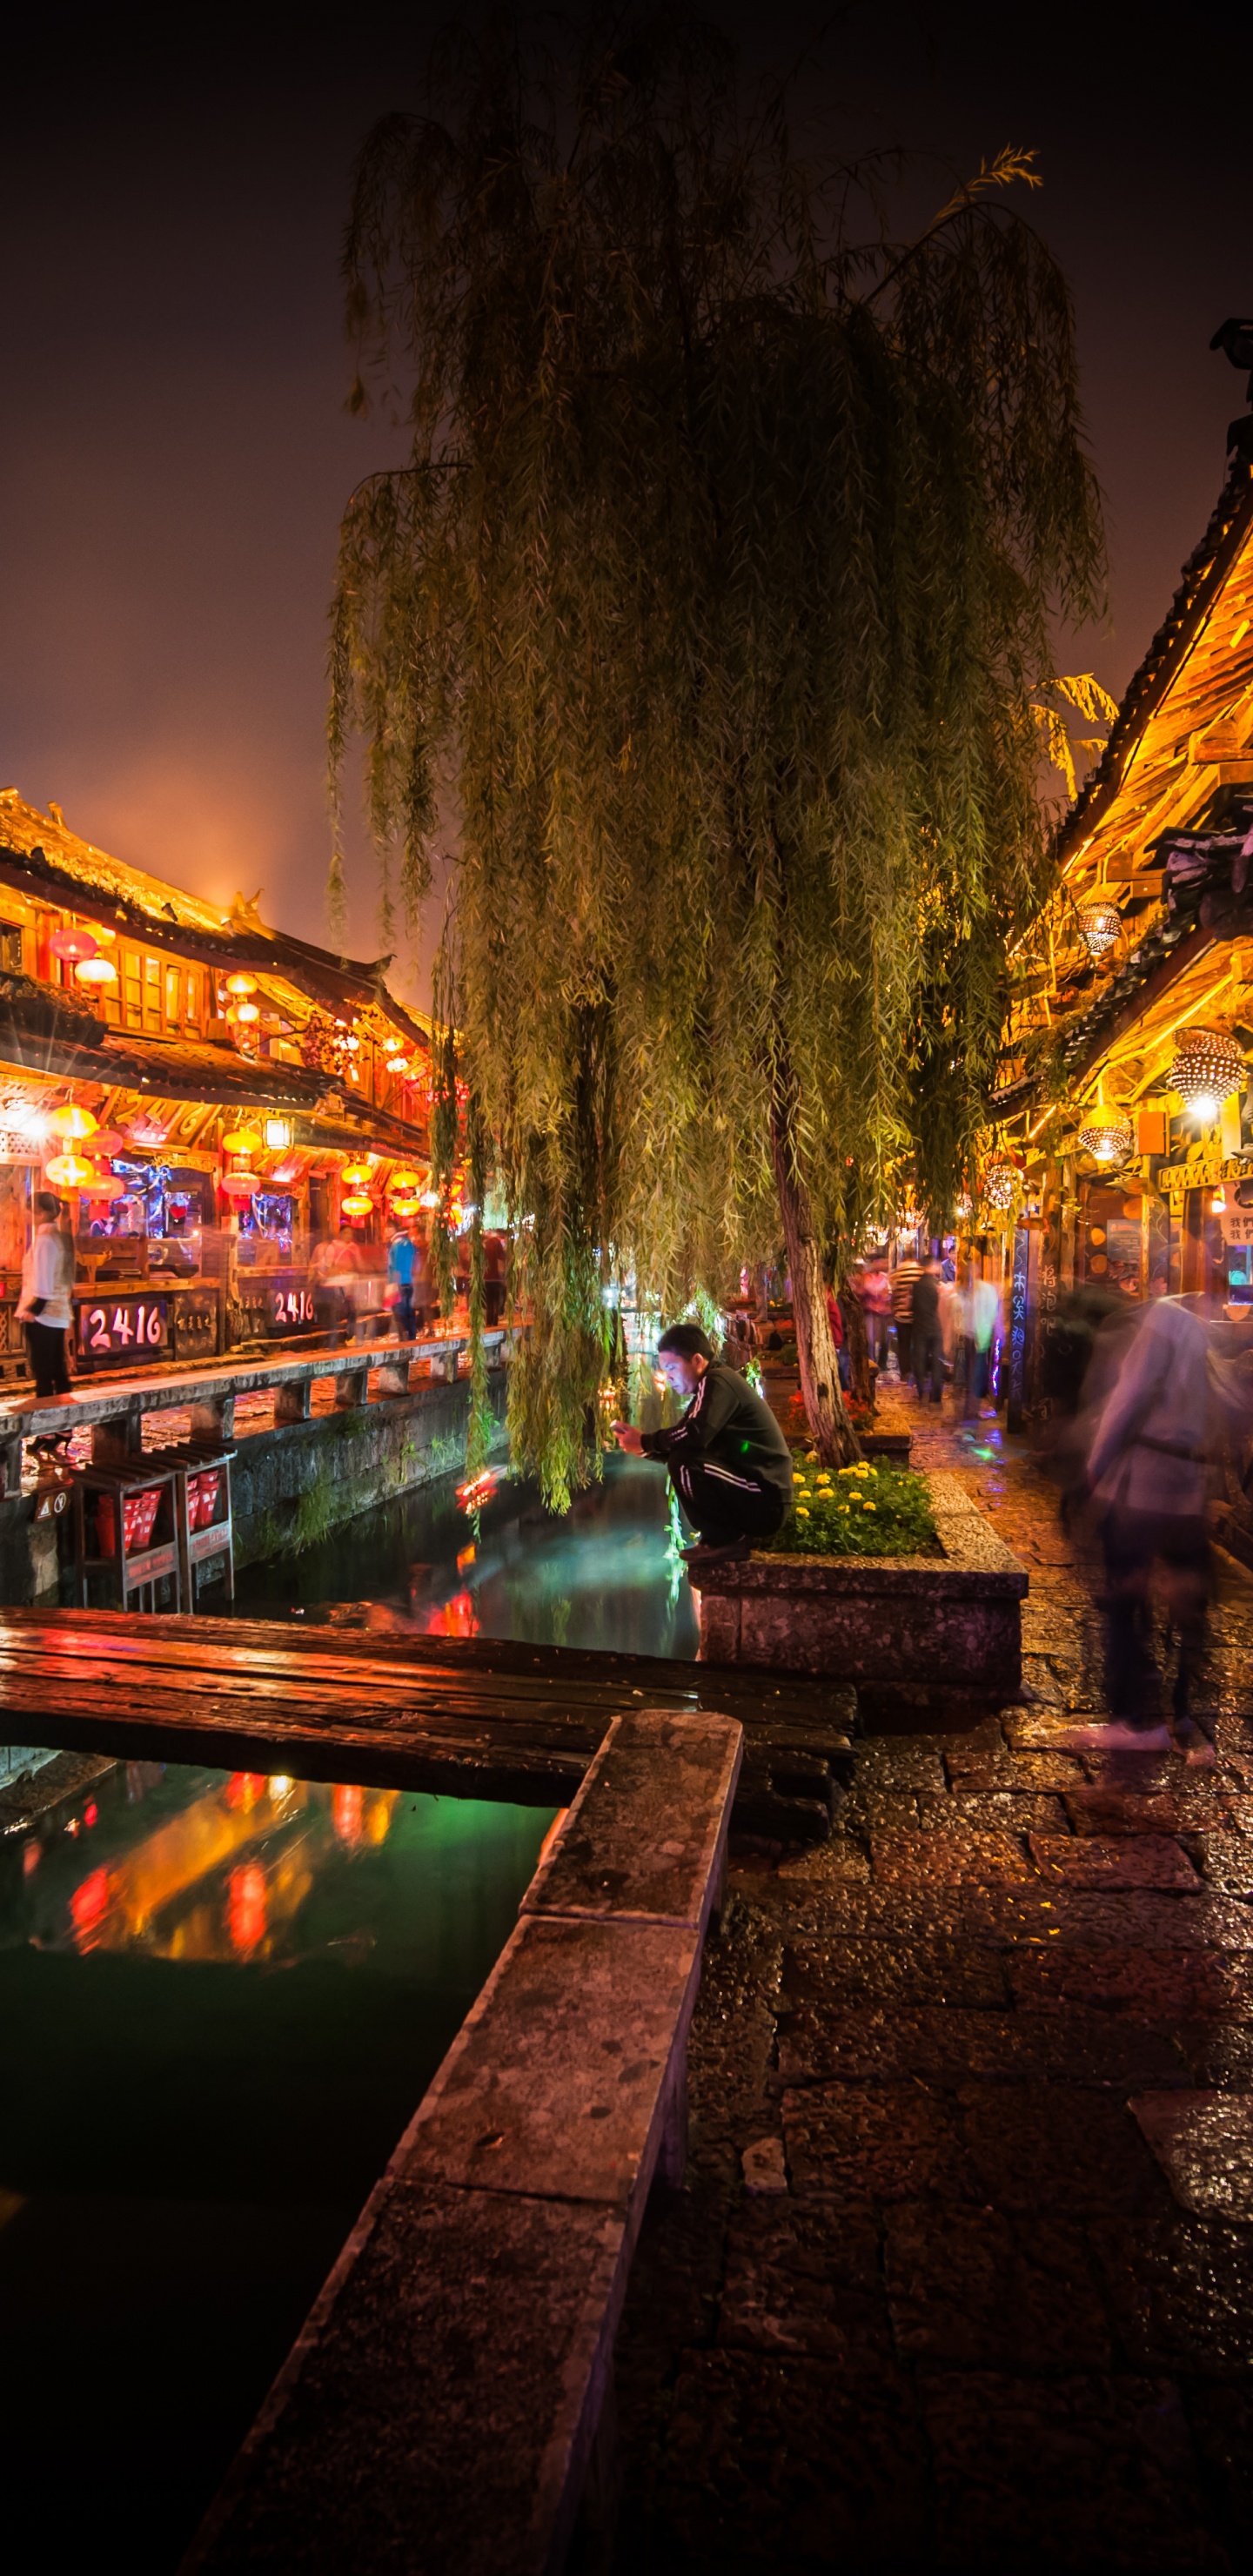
[875, 1291]
[985, 1307]
[44, 1308]
[928, 1346]
[1147, 1471]
[727, 1459]
[903, 1278]
[400, 1268]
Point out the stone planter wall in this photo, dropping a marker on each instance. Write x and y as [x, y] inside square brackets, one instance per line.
[924, 1639]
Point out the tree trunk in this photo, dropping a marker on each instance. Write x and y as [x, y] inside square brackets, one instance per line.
[857, 1346]
[831, 1431]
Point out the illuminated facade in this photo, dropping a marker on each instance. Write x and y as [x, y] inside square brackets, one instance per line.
[1124, 1104]
[196, 1087]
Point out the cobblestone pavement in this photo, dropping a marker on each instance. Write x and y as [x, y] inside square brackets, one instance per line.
[962, 2273]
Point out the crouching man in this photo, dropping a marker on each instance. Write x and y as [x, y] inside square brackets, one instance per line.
[728, 1460]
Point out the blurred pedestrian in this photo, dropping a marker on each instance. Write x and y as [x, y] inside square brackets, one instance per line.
[985, 1308]
[1147, 1471]
[43, 1307]
[903, 1279]
[875, 1292]
[400, 1268]
[928, 1347]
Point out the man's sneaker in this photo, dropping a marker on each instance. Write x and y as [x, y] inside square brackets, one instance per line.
[701, 1556]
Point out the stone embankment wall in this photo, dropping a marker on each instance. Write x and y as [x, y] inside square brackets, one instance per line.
[291, 1485]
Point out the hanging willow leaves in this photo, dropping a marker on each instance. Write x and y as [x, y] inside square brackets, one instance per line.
[712, 599]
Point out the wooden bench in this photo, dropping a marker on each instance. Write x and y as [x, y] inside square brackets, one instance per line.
[451, 2391]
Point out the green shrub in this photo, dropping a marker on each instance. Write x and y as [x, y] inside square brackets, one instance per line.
[858, 1511]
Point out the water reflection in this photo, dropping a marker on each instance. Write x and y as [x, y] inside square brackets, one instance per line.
[607, 1576]
[221, 1997]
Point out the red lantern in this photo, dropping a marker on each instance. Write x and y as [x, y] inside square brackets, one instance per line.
[75, 946]
[240, 1185]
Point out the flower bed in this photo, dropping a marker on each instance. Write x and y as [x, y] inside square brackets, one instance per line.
[857, 1511]
[930, 1634]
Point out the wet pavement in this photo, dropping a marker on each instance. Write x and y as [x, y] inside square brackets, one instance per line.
[962, 2273]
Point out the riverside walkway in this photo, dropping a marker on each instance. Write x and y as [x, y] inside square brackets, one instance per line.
[962, 2271]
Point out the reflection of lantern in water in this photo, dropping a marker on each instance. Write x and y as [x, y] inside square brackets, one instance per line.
[242, 1791]
[346, 1805]
[88, 1902]
[245, 1910]
[456, 1618]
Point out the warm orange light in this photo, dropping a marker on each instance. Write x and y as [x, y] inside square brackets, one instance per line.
[357, 1204]
[242, 1140]
[405, 1207]
[277, 1135]
[104, 1185]
[241, 1185]
[241, 984]
[405, 1181]
[356, 1174]
[96, 970]
[242, 1014]
[73, 1121]
[69, 1172]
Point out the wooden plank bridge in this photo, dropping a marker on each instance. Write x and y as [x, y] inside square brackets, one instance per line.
[470, 1718]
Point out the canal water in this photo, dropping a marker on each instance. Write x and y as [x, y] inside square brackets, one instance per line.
[608, 1576]
[221, 1998]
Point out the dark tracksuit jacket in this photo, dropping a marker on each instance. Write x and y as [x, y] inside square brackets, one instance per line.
[728, 1449]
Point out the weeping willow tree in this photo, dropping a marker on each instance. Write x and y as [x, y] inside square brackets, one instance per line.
[705, 617]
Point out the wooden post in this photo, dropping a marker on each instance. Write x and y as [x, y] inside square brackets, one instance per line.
[118, 1441]
[215, 1419]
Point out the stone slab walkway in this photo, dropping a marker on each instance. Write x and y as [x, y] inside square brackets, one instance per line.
[962, 2272]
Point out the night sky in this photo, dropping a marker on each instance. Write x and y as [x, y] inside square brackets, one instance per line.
[175, 448]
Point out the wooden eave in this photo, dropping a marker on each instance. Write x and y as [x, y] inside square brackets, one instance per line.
[327, 981]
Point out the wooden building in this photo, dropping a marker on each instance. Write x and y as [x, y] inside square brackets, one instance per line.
[205, 1093]
[1123, 1135]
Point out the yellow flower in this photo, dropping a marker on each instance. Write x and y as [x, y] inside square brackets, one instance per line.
[850, 1471]
[802, 1514]
[869, 1507]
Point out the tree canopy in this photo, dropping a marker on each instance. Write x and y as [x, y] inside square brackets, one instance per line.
[707, 616]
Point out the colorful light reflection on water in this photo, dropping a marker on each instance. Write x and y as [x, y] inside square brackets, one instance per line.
[221, 1997]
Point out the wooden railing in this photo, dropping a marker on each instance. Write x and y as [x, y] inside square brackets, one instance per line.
[115, 1408]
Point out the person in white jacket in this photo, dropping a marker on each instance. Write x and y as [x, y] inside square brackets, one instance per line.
[44, 1305]
[1147, 1470]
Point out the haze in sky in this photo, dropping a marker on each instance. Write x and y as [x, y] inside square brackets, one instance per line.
[174, 448]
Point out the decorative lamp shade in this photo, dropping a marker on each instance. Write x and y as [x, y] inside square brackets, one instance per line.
[1099, 926]
[69, 1172]
[243, 1014]
[240, 1185]
[1000, 1182]
[357, 1203]
[405, 1207]
[96, 970]
[356, 1175]
[399, 1065]
[242, 1140]
[393, 1044]
[962, 1209]
[1206, 1070]
[277, 1135]
[1106, 1134]
[75, 946]
[72, 1121]
[106, 1141]
[405, 1181]
[104, 1185]
[241, 985]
